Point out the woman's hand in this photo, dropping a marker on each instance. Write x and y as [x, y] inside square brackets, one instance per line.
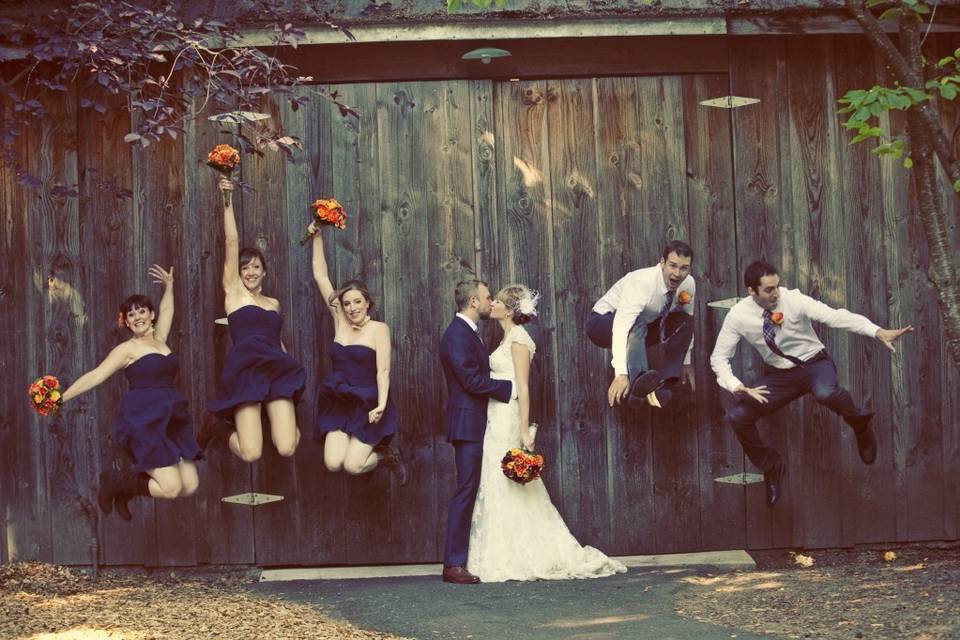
[225, 183]
[375, 414]
[313, 228]
[526, 438]
[162, 277]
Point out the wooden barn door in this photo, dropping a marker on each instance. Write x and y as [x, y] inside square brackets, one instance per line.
[594, 176]
[564, 185]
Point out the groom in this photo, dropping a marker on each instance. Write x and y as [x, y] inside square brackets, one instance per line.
[466, 368]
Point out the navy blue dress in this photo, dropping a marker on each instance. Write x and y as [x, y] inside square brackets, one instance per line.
[154, 424]
[347, 395]
[256, 369]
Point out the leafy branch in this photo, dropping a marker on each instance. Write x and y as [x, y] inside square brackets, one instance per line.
[156, 64]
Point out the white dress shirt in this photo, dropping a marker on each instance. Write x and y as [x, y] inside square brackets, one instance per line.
[473, 325]
[795, 336]
[640, 293]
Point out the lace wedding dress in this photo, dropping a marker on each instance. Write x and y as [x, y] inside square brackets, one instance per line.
[516, 532]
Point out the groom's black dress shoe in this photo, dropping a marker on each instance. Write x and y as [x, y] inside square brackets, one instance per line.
[643, 384]
[866, 440]
[459, 575]
[773, 480]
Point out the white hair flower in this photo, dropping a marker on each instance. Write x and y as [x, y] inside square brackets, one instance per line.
[527, 304]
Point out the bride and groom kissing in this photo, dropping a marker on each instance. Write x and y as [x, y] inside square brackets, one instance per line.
[497, 529]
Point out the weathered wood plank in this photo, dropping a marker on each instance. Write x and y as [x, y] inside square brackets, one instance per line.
[524, 246]
[409, 135]
[466, 194]
[533, 58]
[713, 238]
[663, 215]
[868, 489]
[161, 227]
[940, 46]
[814, 198]
[227, 533]
[71, 437]
[23, 462]
[267, 214]
[314, 504]
[764, 227]
[575, 267]
[619, 182]
[366, 503]
[108, 221]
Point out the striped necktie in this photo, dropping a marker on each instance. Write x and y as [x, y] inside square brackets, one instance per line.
[664, 311]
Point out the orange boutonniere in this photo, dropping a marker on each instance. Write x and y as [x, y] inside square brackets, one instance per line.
[684, 297]
[777, 318]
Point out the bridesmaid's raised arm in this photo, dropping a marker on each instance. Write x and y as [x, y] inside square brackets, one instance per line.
[231, 237]
[165, 314]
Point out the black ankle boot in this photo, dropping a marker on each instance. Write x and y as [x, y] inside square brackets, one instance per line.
[129, 485]
[212, 430]
[392, 460]
[109, 487]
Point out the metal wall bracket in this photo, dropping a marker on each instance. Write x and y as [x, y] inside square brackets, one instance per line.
[729, 102]
[741, 479]
[726, 303]
[252, 499]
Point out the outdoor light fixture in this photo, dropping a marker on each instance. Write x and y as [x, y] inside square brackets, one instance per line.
[485, 54]
[238, 117]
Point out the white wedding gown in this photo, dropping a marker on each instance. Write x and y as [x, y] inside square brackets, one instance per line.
[516, 533]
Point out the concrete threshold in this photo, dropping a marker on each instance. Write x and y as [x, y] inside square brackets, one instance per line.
[726, 560]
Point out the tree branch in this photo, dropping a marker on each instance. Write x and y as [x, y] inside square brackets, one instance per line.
[908, 75]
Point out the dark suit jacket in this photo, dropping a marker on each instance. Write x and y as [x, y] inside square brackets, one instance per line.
[466, 368]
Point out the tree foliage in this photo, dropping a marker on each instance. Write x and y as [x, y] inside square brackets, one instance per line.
[917, 87]
[149, 60]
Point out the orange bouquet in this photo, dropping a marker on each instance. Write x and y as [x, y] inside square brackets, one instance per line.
[45, 395]
[329, 212]
[224, 159]
[521, 465]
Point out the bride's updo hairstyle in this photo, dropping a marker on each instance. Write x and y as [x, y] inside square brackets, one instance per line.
[520, 301]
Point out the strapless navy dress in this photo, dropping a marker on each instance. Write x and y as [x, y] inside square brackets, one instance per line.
[256, 368]
[346, 396]
[154, 425]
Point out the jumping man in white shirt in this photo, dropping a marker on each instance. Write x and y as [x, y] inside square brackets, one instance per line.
[777, 322]
[644, 308]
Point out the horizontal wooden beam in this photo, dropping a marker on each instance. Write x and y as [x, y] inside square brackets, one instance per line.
[534, 58]
[504, 29]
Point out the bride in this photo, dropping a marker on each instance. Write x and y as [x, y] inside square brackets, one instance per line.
[516, 533]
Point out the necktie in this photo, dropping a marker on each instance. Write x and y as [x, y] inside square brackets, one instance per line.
[667, 303]
[769, 335]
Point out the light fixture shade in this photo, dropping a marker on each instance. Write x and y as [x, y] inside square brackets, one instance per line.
[238, 117]
[485, 54]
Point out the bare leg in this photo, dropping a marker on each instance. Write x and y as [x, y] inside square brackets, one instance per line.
[189, 478]
[360, 458]
[165, 482]
[283, 426]
[247, 442]
[335, 450]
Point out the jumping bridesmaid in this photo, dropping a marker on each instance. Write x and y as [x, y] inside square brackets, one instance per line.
[257, 371]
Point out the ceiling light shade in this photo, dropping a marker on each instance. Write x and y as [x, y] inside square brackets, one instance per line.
[485, 54]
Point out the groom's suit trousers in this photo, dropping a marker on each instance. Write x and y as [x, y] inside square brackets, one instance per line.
[469, 458]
